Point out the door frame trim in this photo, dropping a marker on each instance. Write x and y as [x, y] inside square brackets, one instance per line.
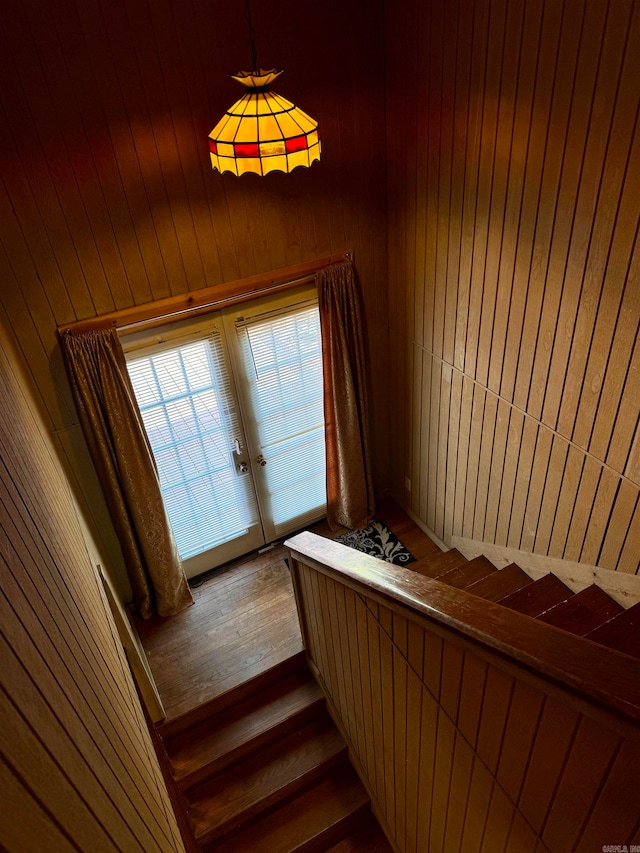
[207, 299]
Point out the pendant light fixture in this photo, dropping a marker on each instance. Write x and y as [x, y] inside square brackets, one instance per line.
[262, 132]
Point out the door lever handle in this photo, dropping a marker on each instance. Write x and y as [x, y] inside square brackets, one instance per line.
[237, 447]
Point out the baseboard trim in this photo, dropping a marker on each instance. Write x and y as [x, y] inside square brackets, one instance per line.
[435, 539]
[622, 587]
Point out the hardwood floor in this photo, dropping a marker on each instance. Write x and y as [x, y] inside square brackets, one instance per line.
[243, 622]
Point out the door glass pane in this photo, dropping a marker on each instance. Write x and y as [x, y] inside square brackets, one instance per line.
[282, 359]
[190, 414]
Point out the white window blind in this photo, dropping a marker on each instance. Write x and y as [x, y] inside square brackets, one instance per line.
[283, 366]
[190, 415]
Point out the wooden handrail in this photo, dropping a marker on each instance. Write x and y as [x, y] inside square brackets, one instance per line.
[602, 676]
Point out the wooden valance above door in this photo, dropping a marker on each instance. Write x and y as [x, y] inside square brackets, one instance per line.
[196, 302]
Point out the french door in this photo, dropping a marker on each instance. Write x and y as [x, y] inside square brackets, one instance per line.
[232, 405]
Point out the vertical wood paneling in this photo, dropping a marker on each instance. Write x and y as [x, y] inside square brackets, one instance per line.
[445, 740]
[520, 102]
[614, 809]
[462, 454]
[461, 768]
[524, 717]
[414, 724]
[483, 462]
[400, 743]
[422, 440]
[619, 524]
[461, 754]
[552, 744]
[530, 296]
[417, 419]
[514, 448]
[427, 752]
[75, 750]
[593, 216]
[436, 403]
[107, 197]
[473, 456]
[18, 800]
[451, 463]
[504, 171]
[579, 785]
[444, 435]
[496, 475]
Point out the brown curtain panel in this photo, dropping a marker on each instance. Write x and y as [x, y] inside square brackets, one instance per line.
[120, 450]
[350, 501]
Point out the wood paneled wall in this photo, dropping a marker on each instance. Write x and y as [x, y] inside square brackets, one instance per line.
[107, 198]
[459, 752]
[514, 179]
[77, 765]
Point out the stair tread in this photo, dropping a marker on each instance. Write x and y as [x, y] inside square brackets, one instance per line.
[220, 740]
[539, 596]
[312, 820]
[368, 838]
[622, 632]
[295, 664]
[243, 790]
[433, 567]
[500, 584]
[470, 572]
[583, 612]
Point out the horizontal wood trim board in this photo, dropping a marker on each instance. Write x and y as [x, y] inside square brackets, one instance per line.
[455, 752]
[483, 469]
[208, 299]
[484, 389]
[595, 673]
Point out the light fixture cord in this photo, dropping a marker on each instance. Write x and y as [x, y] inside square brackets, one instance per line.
[252, 36]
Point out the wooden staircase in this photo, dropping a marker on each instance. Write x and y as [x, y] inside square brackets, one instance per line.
[263, 768]
[590, 613]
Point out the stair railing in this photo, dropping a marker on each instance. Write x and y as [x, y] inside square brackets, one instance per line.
[473, 727]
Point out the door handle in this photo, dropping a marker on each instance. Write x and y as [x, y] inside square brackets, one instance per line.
[237, 447]
[261, 460]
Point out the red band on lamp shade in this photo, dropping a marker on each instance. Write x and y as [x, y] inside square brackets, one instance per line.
[246, 149]
[263, 132]
[297, 143]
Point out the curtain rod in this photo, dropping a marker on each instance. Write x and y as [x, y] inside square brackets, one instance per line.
[209, 306]
[167, 310]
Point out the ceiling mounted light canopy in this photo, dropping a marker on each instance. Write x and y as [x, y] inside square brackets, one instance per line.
[262, 132]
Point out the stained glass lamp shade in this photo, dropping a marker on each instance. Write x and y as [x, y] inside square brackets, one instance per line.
[263, 132]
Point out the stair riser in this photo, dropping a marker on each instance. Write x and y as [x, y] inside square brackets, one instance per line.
[285, 727]
[321, 841]
[294, 664]
[335, 833]
[276, 797]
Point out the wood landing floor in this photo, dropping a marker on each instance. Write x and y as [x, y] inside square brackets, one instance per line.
[242, 623]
